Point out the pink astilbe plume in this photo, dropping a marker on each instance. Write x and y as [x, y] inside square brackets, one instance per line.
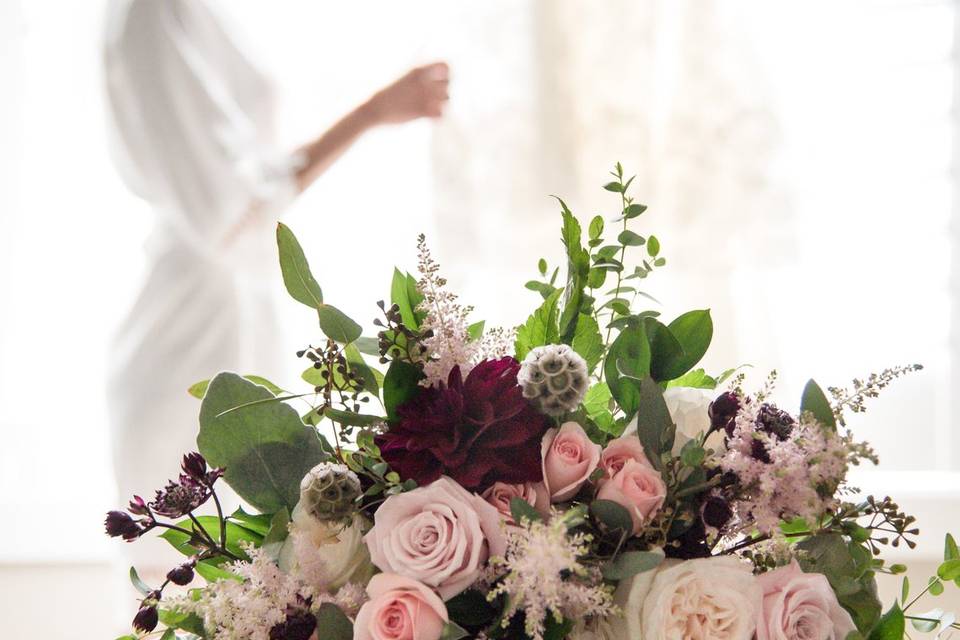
[544, 576]
[447, 325]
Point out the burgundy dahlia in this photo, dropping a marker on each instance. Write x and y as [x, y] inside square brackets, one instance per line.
[477, 430]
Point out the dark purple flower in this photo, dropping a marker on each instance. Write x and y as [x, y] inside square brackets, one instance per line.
[195, 466]
[180, 497]
[120, 524]
[723, 412]
[138, 507]
[146, 619]
[181, 575]
[716, 512]
[298, 626]
[477, 430]
[775, 421]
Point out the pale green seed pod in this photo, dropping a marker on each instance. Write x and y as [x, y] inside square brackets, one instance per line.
[554, 378]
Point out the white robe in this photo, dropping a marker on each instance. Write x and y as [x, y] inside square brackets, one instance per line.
[193, 124]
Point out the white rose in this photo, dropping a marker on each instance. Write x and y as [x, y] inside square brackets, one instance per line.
[688, 409]
[629, 596]
[714, 598]
[326, 555]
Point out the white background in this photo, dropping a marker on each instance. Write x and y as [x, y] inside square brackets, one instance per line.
[864, 96]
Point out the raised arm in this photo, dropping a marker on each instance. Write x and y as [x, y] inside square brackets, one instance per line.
[420, 93]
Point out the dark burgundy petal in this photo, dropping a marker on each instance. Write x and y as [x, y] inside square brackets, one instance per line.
[477, 429]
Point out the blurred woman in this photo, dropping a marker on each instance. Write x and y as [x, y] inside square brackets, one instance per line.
[193, 120]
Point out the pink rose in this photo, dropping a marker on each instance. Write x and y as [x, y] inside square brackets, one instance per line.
[798, 605]
[569, 457]
[501, 494]
[618, 451]
[439, 534]
[638, 488]
[400, 609]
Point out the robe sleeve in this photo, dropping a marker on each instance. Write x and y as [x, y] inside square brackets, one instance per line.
[187, 139]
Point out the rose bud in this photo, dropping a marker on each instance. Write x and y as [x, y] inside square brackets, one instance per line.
[120, 524]
[146, 619]
[716, 512]
[182, 575]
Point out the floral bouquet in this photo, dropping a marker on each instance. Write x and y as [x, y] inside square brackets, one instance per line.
[576, 477]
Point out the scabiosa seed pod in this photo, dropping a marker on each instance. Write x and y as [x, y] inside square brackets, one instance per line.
[554, 378]
[146, 619]
[120, 524]
[182, 575]
[329, 491]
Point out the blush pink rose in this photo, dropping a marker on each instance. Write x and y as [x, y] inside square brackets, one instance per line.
[400, 609]
[569, 457]
[500, 494]
[798, 605]
[638, 488]
[618, 451]
[440, 535]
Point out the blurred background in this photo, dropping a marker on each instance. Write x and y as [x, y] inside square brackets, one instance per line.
[798, 160]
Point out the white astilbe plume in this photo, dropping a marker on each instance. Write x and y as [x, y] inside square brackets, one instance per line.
[545, 577]
[247, 609]
[446, 322]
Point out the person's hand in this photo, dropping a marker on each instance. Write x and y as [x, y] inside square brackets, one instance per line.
[419, 93]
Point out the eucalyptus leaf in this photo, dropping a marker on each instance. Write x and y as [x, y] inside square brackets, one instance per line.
[612, 516]
[336, 325]
[333, 623]
[297, 277]
[815, 401]
[137, 583]
[351, 418]
[630, 563]
[198, 389]
[628, 357]
[630, 239]
[264, 448]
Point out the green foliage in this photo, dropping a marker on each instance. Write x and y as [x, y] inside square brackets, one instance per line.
[404, 294]
[303, 287]
[475, 330]
[297, 277]
[265, 448]
[697, 378]
[210, 525]
[211, 572]
[137, 583]
[540, 329]
[351, 419]
[198, 389]
[256, 522]
[815, 401]
[630, 563]
[522, 510]
[400, 385]
[189, 622]
[337, 326]
[453, 631]
[333, 624]
[628, 360]
[587, 341]
[578, 268]
[891, 625]
[611, 517]
[654, 425]
[847, 566]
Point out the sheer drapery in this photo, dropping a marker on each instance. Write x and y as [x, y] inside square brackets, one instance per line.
[556, 92]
